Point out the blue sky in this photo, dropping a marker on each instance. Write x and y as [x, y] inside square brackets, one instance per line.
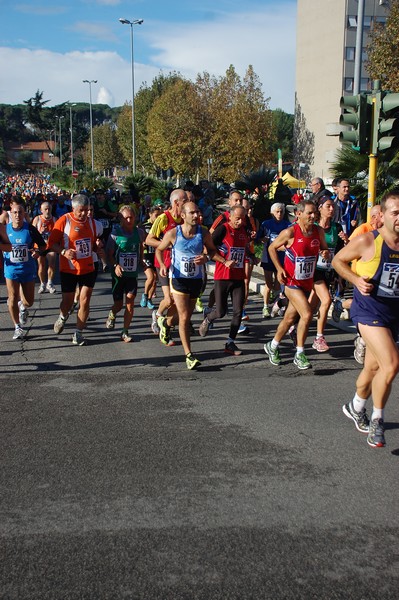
[53, 45]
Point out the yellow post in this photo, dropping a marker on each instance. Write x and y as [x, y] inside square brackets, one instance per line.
[372, 189]
[373, 160]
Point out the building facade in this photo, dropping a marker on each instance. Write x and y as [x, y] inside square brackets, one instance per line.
[325, 66]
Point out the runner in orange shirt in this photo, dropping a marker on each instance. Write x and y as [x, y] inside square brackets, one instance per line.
[74, 238]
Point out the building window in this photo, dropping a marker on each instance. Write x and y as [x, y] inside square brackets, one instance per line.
[352, 22]
[380, 20]
[367, 21]
[364, 55]
[364, 84]
[348, 83]
[350, 53]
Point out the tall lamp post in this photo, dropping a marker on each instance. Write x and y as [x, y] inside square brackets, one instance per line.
[71, 131]
[60, 132]
[91, 123]
[131, 23]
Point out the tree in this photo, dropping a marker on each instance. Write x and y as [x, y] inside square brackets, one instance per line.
[283, 127]
[383, 50]
[176, 134]
[106, 149]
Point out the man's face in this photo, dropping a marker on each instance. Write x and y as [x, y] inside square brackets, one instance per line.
[278, 214]
[391, 215]
[127, 220]
[190, 213]
[80, 213]
[316, 186]
[307, 216]
[343, 189]
[235, 199]
[17, 214]
[237, 218]
[46, 210]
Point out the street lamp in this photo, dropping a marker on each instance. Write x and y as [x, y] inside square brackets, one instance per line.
[131, 23]
[71, 131]
[91, 122]
[59, 124]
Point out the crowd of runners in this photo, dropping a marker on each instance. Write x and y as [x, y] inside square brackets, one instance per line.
[307, 265]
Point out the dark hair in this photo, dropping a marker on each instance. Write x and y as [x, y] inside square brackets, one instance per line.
[394, 193]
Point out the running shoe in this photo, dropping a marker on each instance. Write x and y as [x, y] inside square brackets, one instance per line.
[42, 288]
[337, 310]
[360, 349]
[199, 307]
[242, 328]
[320, 344]
[192, 362]
[23, 313]
[274, 355]
[50, 288]
[266, 312]
[375, 437]
[78, 339]
[360, 419]
[275, 309]
[110, 323]
[293, 336]
[231, 348]
[301, 361]
[19, 333]
[125, 337]
[154, 324]
[59, 325]
[144, 300]
[164, 332]
[204, 328]
[150, 305]
[244, 316]
[207, 311]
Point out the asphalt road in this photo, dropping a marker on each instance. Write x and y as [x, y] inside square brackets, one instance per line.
[123, 475]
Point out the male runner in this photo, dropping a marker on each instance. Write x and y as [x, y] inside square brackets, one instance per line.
[375, 311]
[125, 253]
[186, 272]
[44, 223]
[302, 242]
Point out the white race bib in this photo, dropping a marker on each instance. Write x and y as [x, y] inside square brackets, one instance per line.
[237, 254]
[304, 267]
[389, 282]
[128, 261]
[188, 268]
[83, 248]
[19, 254]
[324, 264]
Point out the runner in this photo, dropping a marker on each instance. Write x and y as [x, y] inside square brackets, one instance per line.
[232, 240]
[44, 223]
[74, 238]
[303, 242]
[149, 264]
[125, 253]
[324, 274]
[375, 311]
[20, 266]
[168, 220]
[186, 273]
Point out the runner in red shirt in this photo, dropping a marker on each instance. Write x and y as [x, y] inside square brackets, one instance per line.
[302, 242]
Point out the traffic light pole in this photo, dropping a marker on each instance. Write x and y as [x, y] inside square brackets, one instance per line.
[373, 157]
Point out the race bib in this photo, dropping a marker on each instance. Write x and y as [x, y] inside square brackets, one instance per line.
[83, 248]
[19, 254]
[389, 282]
[128, 261]
[304, 267]
[324, 264]
[237, 254]
[188, 268]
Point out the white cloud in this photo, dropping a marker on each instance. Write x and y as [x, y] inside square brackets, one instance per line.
[105, 97]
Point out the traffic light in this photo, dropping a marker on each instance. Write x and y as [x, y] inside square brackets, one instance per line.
[388, 120]
[357, 112]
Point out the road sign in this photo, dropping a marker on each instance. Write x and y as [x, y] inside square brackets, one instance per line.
[75, 174]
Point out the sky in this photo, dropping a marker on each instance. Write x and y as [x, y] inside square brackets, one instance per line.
[52, 46]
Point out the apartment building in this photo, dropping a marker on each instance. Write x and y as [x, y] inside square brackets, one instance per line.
[325, 65]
